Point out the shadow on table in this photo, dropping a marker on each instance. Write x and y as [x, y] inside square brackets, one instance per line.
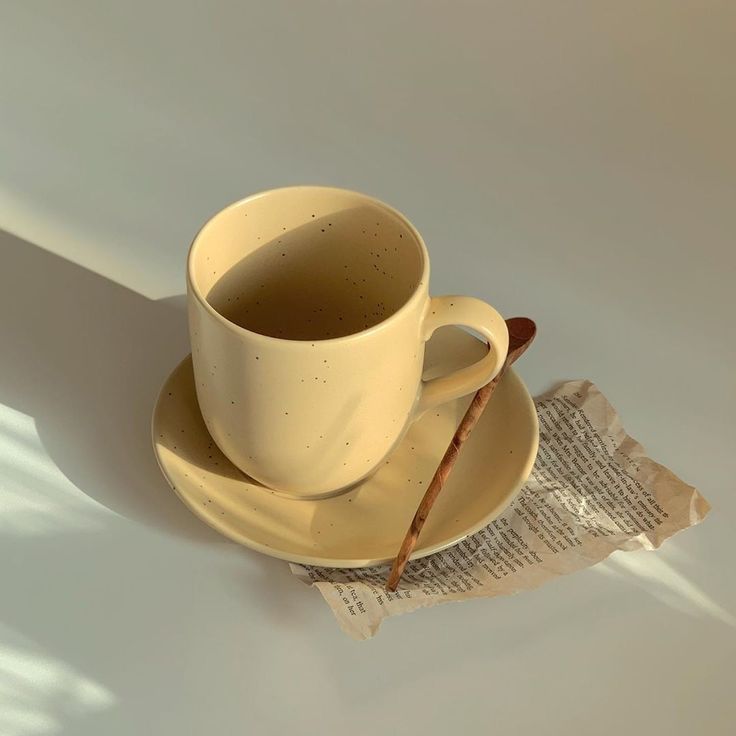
[91, 621]
[85, 357]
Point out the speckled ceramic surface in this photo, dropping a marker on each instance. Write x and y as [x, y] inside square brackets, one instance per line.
[365, 525]
[308, 309]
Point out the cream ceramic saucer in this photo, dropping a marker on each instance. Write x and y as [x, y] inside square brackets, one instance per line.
[365, 525]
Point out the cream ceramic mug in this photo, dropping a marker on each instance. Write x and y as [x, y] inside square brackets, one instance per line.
[308, 313]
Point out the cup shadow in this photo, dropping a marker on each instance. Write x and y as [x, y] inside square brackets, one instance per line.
[86, 357]
[330, 277]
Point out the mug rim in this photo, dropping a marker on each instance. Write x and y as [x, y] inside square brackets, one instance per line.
[422, 285]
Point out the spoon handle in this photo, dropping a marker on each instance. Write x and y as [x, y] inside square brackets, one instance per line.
[521, 334]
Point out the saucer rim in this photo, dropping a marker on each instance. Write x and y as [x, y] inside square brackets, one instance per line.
[351, 563]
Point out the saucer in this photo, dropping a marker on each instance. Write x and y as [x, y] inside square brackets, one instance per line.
[366, 524]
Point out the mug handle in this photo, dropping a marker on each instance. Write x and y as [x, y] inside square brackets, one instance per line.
[476, 314]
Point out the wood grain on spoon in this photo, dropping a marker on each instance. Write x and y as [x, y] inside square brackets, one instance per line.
[521, 333]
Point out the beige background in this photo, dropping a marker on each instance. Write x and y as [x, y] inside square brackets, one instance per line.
[573, 161]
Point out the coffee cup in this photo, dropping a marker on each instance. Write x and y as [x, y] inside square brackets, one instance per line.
[308, 310]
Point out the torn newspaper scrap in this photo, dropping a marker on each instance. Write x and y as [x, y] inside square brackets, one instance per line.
[593, 490]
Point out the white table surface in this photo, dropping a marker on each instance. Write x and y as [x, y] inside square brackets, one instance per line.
[571, 161]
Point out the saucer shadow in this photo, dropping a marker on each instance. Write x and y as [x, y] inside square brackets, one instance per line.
[86, 357]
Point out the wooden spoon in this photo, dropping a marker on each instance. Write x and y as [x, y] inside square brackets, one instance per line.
[521, 333]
